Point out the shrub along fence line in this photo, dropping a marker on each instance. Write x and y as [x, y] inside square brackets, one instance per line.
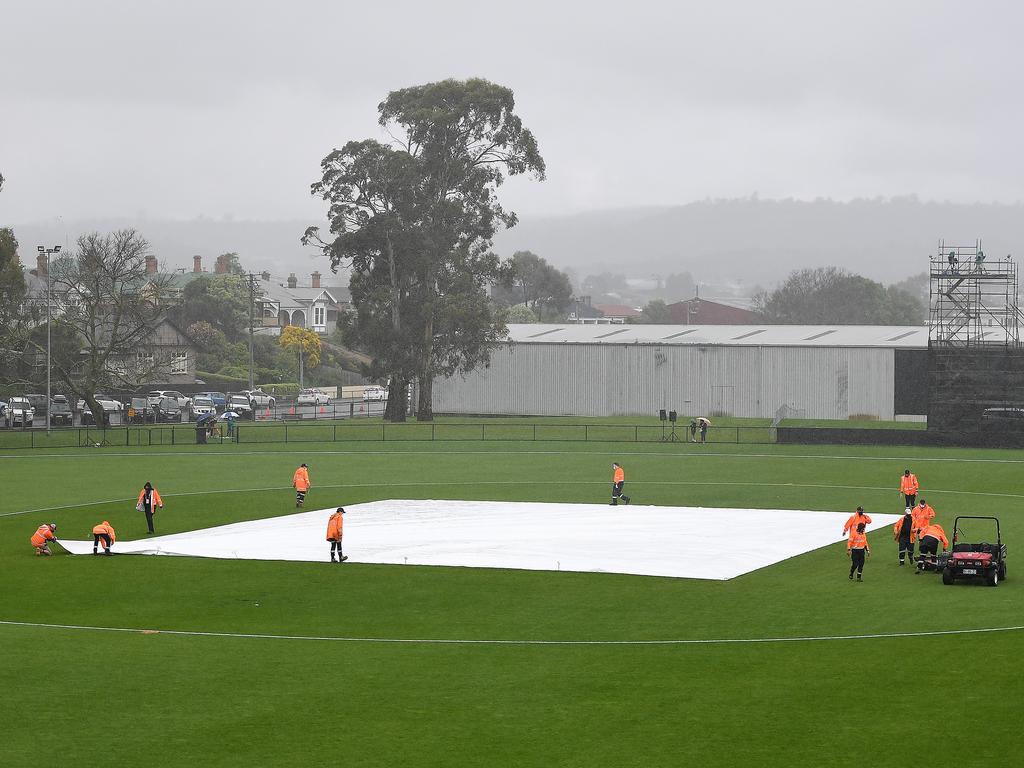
[379, 431]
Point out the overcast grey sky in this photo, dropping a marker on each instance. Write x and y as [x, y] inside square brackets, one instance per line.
[188, 108]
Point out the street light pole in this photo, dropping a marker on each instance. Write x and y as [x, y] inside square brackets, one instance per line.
[252, 307]
[48, 252]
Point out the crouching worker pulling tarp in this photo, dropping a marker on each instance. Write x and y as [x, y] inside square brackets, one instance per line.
[103, 532]
[42, 537]
[931, 535]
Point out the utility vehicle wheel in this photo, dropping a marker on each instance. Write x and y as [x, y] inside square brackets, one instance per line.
[993, 578]
[947, 576]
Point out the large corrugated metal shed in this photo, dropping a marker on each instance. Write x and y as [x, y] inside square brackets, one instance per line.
[826, 372]
[883, 336]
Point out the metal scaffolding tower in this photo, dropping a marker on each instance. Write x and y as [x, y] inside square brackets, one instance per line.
[972, 301]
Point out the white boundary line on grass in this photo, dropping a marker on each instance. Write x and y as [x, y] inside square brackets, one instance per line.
[503, 482]
[484, 641]
[29, 454]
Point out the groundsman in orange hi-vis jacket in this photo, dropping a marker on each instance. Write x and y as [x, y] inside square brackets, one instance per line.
[929, 537]
[909, 487]
[934, 531]
[923, 516]
[854, 519]
[335, 529]
[42, 537]
[103, 532]
[857, 548]
[618, 483]
[300, 482]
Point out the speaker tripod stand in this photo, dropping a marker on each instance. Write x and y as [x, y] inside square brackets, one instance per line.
[671, 437]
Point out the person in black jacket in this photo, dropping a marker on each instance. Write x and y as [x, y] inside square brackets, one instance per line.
[903, 533]
[149, 500]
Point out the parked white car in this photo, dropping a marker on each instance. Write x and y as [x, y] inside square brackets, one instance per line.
[157, 395]
[240, 404]
[257, 397]
[19, 411]
[313, 397]
[202, 406]
[374, 394]
[108, 404]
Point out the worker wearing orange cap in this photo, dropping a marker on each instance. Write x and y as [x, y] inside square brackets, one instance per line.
[335, 525]
[857, 549]
[103, 532]
[909, 487]
[41, 539]
[923, 516]
[300, 482]
[618, 482]
[854, 520]
[930, 537]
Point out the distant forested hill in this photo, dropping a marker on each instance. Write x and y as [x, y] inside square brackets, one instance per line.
[758, 241]
[762, 240]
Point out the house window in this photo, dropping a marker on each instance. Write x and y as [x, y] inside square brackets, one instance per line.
[179, 362]
[144, 361]
[318, 316]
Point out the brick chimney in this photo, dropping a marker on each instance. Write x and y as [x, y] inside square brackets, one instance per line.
[221, 266]
[197, 263]
[316, 279]
[292, 280]
[40, 264]
[151, 265]
[265, 276]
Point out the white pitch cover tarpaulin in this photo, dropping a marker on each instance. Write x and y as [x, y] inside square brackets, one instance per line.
[686, 542]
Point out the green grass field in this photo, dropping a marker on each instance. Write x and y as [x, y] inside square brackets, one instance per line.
[92, 697]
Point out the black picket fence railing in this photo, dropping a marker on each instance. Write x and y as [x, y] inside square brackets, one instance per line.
[353, 430]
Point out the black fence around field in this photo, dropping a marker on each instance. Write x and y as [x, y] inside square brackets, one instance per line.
[365, 431]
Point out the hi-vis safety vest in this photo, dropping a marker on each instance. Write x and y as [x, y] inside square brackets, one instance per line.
[42, 535]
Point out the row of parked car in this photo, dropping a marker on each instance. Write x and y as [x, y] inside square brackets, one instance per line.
[157, 406]
[160, 406]
[173, 406]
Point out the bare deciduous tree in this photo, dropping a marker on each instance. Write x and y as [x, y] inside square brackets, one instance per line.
[108, 307]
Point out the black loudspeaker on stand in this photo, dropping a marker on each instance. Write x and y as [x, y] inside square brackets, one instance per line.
[670, 417]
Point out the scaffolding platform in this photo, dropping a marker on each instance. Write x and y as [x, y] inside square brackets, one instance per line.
[972, 301]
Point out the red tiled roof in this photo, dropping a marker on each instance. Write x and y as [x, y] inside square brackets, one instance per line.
[617, 310]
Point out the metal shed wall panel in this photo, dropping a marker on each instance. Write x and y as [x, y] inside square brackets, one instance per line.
[639, 379]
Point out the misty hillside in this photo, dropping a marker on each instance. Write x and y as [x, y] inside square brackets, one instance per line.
[759, 241]
[755, 241]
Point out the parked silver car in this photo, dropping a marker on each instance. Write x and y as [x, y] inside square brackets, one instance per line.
[19, 412]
